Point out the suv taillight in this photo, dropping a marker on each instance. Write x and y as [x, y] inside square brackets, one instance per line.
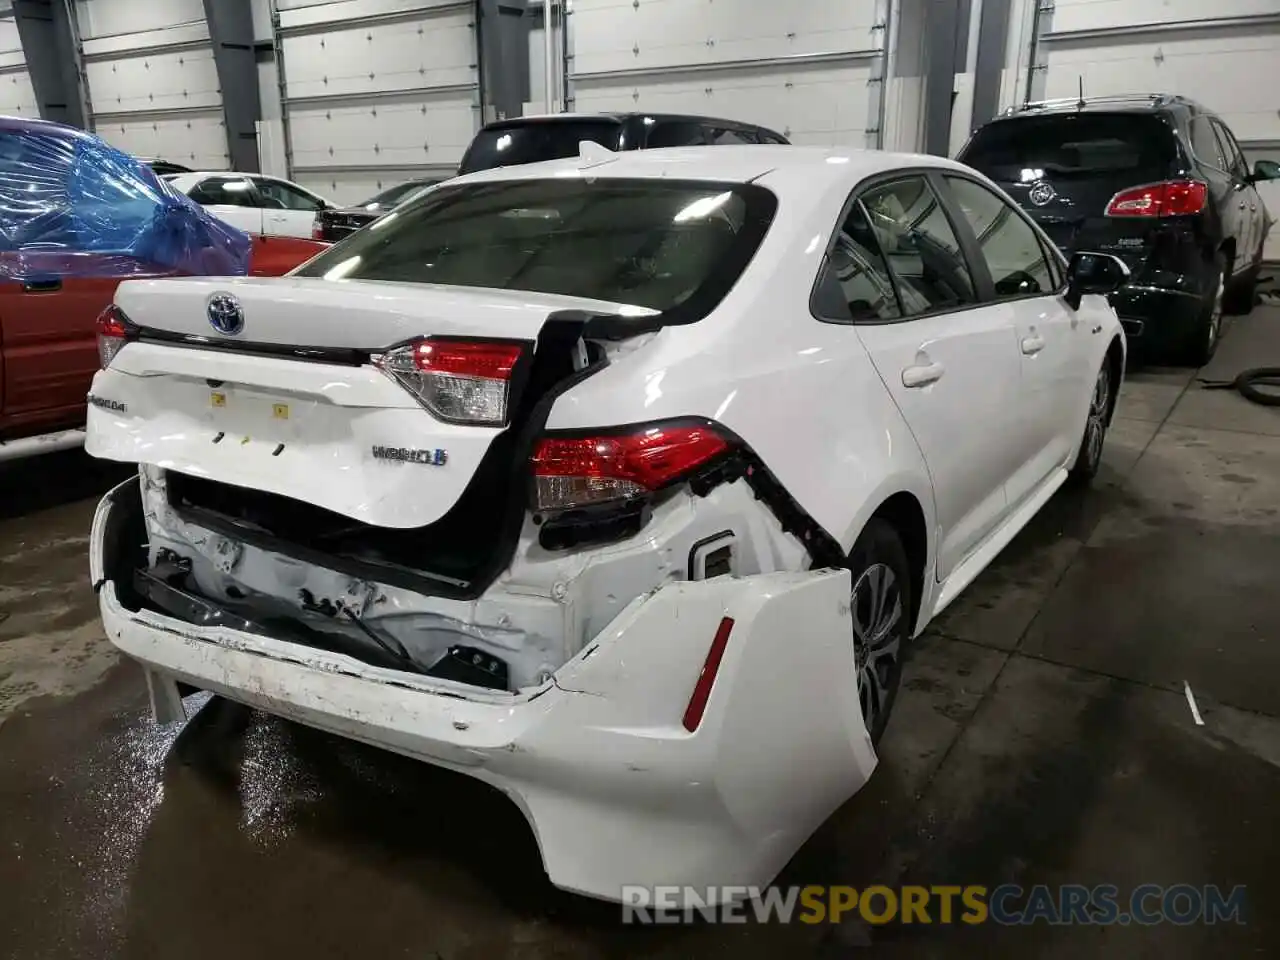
[1172, 198]
[114, 331]
[460, 381]
[571, 472]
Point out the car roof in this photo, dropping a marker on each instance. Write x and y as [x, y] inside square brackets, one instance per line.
[1122, 103]
[819, 166]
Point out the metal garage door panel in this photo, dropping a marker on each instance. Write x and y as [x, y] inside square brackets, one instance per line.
[382, 133]
[618, 34]
[157, 81]
[817, 104]
[1102, 14]
[1206, 68]
[199, 142]
[17, 98]
[106, 18]
[439, 51]
[357, 186]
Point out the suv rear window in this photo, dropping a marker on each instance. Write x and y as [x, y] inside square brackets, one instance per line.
[676, 247]
[1071, 145]
[537, 141]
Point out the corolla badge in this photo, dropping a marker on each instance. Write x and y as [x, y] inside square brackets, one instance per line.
[225, 314]
[1042, 193]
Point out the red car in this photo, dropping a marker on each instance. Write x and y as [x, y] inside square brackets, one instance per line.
[76, 218]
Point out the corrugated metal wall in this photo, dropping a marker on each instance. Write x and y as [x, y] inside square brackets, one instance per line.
[152, 85]
[376, 91]
[804, 69]
[17, 99]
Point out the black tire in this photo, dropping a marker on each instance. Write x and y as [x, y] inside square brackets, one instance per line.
[1202, 342]
[1241, 292]
[878, 554]
[1089, 456]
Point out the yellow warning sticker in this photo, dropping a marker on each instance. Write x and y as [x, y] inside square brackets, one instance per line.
[280, 411]
[218, 399]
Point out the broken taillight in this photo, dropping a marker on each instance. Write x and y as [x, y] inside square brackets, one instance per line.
[580, 471]
[114, 331]
[459, 381]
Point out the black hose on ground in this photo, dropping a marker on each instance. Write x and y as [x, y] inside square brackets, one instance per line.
[1248, 382]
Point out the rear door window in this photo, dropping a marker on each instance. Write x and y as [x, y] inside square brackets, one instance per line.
[722, 136]
[1206, 145]
[659, 244]
[911, 228]
[1235, 159]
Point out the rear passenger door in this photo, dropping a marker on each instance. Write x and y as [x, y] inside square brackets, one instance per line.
[288, 211]
[948, 360]
[1052, 349]
[1248, 203]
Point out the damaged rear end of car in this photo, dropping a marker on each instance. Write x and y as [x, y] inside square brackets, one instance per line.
[349, 512]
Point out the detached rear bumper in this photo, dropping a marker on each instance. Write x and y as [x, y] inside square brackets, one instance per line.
[616, 790]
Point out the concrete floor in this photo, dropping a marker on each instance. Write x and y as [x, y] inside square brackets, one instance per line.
[1042, 737]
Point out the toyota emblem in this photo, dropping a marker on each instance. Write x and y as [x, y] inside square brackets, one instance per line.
[225, 314]
[1042, 193]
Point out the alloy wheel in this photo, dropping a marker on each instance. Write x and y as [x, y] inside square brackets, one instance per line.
[878, 627]
[1095, 431]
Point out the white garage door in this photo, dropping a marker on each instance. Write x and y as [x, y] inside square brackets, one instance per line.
[17, 99]
[377, 91]
[800, 68]
[1225, 55]
[152, 84]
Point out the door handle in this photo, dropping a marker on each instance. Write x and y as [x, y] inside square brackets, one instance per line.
[1032, 345]
[1241, 204]
[42, 286]
[922, 375]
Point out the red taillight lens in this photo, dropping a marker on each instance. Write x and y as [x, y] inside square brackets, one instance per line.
[460, 381]
[707, 678]
[114, 331]
[317, 229]
[580, 471]
[1173, 198]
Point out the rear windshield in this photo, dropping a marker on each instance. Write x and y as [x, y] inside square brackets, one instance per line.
[1071, 145]
[535, 142]
[667, 245]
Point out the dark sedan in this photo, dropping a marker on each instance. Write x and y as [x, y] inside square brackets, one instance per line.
[335, 224]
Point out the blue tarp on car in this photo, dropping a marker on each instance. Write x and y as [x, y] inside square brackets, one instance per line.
[66, 191]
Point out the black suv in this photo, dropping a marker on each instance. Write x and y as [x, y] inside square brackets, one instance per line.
[1158, 181]
[555, 136]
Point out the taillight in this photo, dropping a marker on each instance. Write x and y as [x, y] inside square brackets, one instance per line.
[317, 229]
[460, 381]
[574, 472]
[114, 331]
[1173, 198]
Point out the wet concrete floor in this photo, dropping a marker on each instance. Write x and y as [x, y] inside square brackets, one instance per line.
[1043, 736]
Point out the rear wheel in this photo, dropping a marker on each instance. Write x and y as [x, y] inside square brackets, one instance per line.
[881, 605]
[1203, 340]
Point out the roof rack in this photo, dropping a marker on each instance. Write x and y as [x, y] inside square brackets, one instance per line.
[1155, 99]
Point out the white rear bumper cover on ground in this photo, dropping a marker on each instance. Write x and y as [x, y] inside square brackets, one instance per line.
[616, 790]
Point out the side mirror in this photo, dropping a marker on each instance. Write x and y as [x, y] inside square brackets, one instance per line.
[1098, 273]
[1266, 170]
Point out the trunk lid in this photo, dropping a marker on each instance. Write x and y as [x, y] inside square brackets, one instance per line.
[347, 315]
[1064, 168]
[323, 427]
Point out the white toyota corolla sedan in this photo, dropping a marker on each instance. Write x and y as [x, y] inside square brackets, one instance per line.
[621, 483]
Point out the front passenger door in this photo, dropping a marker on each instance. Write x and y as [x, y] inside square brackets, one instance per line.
[231, 199]
[288, 211]
[949, 362]
[1052, 353]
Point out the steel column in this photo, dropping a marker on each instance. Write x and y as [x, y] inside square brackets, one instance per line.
[231, 33]
[51, 45]
[993, 38]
